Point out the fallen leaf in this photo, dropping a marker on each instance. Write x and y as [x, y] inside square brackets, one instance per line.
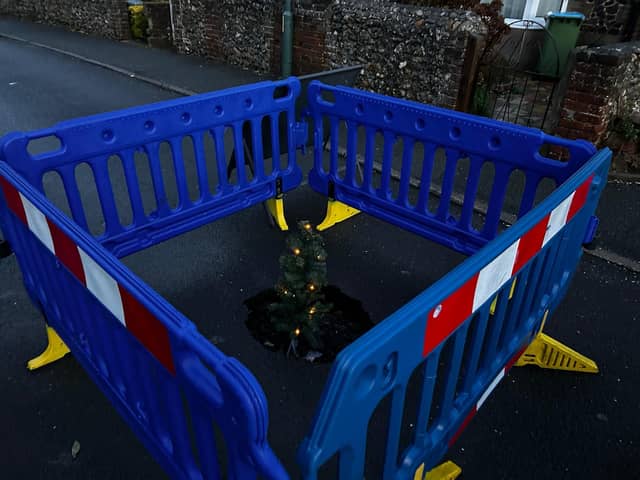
[312, 356]
[75, 449]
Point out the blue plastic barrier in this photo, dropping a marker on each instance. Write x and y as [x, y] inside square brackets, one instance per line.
[94, 140]
[462, 334]
[507, 147]
[169, 383]
[174, 388]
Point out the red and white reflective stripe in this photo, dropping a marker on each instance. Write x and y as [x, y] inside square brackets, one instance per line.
[483, 398]
[480, 288]
[124, 306]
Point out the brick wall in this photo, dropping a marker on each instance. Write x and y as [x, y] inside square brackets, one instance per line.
[107, 18]
[604, 84]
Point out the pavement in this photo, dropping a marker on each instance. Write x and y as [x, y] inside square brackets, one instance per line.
[537, 424]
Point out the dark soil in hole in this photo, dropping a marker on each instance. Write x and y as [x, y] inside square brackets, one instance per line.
[339, 328]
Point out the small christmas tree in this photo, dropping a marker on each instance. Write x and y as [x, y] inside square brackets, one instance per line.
[301, 298]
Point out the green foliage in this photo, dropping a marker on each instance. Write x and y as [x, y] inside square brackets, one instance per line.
[628, 130]
[480, 101]
[303, 276]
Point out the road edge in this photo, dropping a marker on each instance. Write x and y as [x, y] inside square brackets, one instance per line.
[114, 68]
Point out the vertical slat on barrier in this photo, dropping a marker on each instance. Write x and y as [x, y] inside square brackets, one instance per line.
[206, 440]
[387, 161]
[238, 147]
[275, 143]
[71, 309]
[425, 179]
[124, 355]
[405, 172]
[501, 179]
[514, 311]
[393, 430]
[258, 152]
[153, 153]
[333, 159]
[447, 183]
[178, 428]
[38, 266]
[104, 327]
[201, 165]
[291, 153]
[477, 341]
[152, 398]
[352, 150]
[181, 175]
[351, 461]
[559, 245]
[98, 345]
[516, 305]
[369, 152]
[73, 195]
[100, 170]
[221, 159]
[455, 361]
[471, 191]
[133, 187]
[496, 326]
[426, 396]
[535, 283]
[529, 194]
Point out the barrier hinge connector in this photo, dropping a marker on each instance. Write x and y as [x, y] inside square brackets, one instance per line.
[592, 227]
[301, 135]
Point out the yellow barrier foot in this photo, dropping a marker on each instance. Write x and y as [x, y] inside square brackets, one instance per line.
[446, 471]
[276, 209]
[337, 212]
[545, 352]
[56, 349]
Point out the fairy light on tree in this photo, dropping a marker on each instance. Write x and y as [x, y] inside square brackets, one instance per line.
[303, 277]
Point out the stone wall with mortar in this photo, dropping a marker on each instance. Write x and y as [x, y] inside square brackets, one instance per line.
[239, 32]
[604, 84]
[407, 51]
[607, 21]
[410, 52]
[107, 18]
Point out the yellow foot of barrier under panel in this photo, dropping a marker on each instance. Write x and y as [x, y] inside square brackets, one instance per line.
[446, 471]
[545, 352]
[276, 209]
[56, 349]
[337, 212]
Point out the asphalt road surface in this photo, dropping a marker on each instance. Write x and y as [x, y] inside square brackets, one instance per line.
[537, 425]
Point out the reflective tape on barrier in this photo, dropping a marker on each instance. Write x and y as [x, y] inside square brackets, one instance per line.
[123, 306]
[455, 309]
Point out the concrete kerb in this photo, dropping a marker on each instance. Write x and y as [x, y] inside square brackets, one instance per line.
[152, 81]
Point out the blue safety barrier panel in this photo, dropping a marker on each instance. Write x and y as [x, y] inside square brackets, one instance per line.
[227, 123]
[173, 387]
[456, 340]
[457, 135]
[437, 359]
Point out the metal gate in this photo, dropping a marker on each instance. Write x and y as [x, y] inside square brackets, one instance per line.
[509, 88]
